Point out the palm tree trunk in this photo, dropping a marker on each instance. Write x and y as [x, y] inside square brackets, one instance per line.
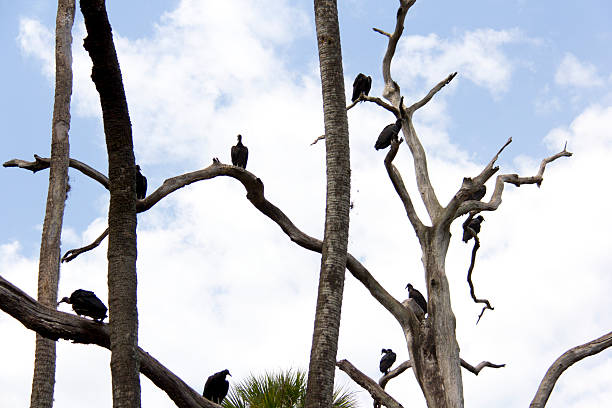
[43, 381]
[333, 261]
[123, 313]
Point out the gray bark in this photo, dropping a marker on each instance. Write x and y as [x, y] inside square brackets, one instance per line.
[43, 381]
[319, 393]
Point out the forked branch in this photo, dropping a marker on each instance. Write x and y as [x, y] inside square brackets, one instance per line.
[565, 361]
[476, 370]
[377, 101]
[515, 179]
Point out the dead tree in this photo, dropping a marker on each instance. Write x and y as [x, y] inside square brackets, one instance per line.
[431, 340]
[43, 381]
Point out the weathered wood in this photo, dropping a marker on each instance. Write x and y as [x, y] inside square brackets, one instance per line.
[43, 380]
[375, 390]
[565, 361]
[55, 325]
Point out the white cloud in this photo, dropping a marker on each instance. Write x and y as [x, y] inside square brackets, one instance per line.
[572, 72]
[476, 55]
[37, 40]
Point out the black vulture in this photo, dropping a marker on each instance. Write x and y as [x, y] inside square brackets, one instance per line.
[417, 296]
[478, 194]
[475, 225]
[388, 133]
[387, 360]
[240, 154]
[141, 184]
[86, 303]
[216, 387]
[362, 84]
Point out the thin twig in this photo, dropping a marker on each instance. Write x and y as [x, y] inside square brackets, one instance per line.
[73, 253]
[476, 370]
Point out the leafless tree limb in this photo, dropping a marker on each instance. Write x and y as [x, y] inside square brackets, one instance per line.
[41, 163]
[467, 228]
[417, 105]
[322, 137]
[476, 370]
[495, 200]
[378, 30]
[391, 91]
[400, 188]
[394, 373]
[375, 100]
[565, 361]
[59, 325]
[368, 384]
[73, 253]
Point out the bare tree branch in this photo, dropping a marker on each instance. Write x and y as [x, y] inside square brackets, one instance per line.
[378, 30]
[368, 384]
[428, 195]
[400, 188]
[394, 373]
[496, 200]
[322, 137]
[59, 325]
[412, 108]
[476, 370]
[467, 228]
[73, 253]
[375, 100]
[391, 92]
[42, 163]
[565, 361]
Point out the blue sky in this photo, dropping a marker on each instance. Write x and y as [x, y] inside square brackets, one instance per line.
[197, 73]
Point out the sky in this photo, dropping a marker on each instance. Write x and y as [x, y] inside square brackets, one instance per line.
[221, 286]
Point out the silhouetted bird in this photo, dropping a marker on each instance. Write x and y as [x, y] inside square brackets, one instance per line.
[216, 387]
[388, 133]
[86, 303]
[475, 225]
[240, 154]
[417, 296]
[362, 84]
[141, 184]
[478, 194]
[387, 360]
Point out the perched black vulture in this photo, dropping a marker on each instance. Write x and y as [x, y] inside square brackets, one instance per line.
[216, 387]
[387, 360]
[478, 194]
[362, 84]
[475, 225]
[141, 184]
[86, 303]
[388, 133]
[240, 154]
[417, 296]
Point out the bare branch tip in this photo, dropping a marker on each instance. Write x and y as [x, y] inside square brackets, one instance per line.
[378, 30]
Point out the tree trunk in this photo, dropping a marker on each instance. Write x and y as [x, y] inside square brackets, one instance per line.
[333, 261]
[123, 313]
[43, 381]
[437, 363]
